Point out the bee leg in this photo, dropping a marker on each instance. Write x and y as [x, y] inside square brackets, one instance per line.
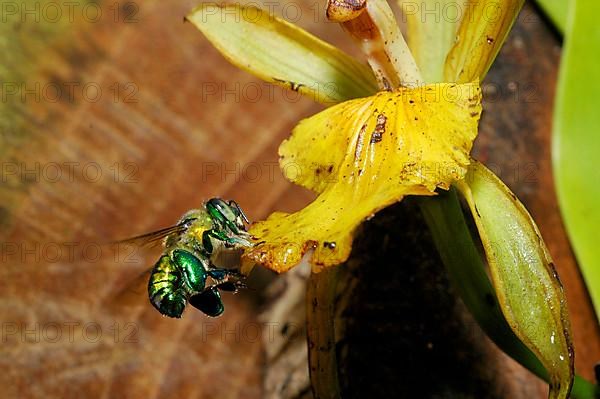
[239, 242]
[206, 243]
[218, 274]
[234, 204]
[224, 274]
[227, 279]
[230, 242]
[208, 301]
[207, 235]
[231, 286]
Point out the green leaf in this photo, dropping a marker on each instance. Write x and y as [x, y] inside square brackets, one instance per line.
[281, 53]
[576, 142]
[526, 284]
[557, 11]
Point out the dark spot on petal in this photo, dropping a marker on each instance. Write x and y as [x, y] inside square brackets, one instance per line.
[377, 134]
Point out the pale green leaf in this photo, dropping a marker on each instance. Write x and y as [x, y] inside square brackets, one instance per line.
[431, 31]
[576, 140]
[282, 53]
[557, 11]
[526, 284]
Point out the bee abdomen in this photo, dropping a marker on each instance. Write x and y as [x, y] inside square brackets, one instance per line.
[165, 288]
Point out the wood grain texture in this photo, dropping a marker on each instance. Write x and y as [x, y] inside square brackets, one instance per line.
[180, 126]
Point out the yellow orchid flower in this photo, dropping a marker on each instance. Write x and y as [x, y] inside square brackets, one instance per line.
[413, 137]
[363, 155]
[426, 134]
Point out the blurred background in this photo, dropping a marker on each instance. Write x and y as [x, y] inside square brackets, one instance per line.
[117, 117]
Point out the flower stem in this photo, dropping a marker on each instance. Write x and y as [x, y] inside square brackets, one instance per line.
[320, 312]
[374, 27]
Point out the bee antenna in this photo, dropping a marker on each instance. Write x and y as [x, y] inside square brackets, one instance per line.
[242, 214]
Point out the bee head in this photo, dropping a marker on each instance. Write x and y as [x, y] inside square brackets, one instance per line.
[228, 213]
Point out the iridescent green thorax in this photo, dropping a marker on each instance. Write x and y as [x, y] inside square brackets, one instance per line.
[198, 221]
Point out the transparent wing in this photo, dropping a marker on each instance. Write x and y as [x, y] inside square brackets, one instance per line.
[135, 291]
[152, 238]
[133, 294]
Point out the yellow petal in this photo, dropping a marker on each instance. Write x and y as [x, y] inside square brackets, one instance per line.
[482, 31]
[363, 155]
[281, 53]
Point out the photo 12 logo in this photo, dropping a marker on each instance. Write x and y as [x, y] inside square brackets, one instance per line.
[52, 12]
[68, 332]
[68, 92]
[14, 174]
[455, 11]
[249, 332]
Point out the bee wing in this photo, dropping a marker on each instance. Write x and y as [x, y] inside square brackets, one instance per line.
[152, 238]
[134, 293]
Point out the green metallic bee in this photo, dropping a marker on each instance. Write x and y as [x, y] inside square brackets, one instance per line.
[186, 271]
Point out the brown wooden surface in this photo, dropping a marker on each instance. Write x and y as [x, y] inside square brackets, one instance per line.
[172, 142]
